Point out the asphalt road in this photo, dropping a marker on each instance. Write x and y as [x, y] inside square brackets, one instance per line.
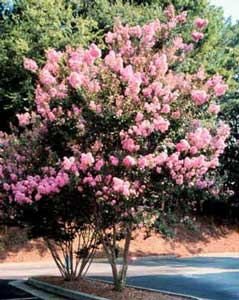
[205, 277]
[214, 278]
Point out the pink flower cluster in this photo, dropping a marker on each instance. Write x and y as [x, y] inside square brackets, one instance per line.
[200, 24]
[153, 110]
[218, 86]
[35, 187]
[30, 64]
[24, 119]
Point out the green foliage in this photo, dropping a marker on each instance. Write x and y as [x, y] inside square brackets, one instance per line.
[104, 13]
[230, 159]
[35, 26]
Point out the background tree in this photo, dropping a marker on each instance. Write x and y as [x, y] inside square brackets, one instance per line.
[32, 27]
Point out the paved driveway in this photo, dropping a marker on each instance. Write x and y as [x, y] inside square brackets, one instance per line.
[211, 278]
[214, 278]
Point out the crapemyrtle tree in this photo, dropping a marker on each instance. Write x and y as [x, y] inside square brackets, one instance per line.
[125, 123]
[62, 221]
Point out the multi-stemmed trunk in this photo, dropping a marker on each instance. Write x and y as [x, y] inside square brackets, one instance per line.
[119, 272]
[73, 257]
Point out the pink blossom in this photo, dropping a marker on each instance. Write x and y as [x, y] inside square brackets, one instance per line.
[188, 47]
[161, 158]
[165, 109]
[148, 32]
[201, 23]
[98, 178]
[193, 150]
[214, 108]
[136, 31]
[95, 51]
[142, 162]
[114, 160]
[199, 96]
[95, 107]
[6, 187]
[139, 117]
[13, 177]
[62, 179]
[179, 180]
[68, 162]
[130, 145]
[127, 73]
[89, 180]
[197, 36]
[145, 128]
[86, 161]
[21, 197]
[161, 124]
[75, 80]
[46, 77]
[99, 164]
[114, 61]
[110, 37]
[38, 197]
[223, 130]
[161, 63]
[200, 138]
[220, 89]
[121, 186]
[30, 64]
[80, 188]
[113, 202]
[176, 114]
[147, 161]
[183, 146]
[182, 18]
[54, 56]
[129, 161]
[213, 81]
[134, 85]
[24, 119]
[51, 116]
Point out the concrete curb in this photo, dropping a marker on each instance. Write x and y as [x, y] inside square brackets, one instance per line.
[63, 292]
[59, 291]
[36, 293]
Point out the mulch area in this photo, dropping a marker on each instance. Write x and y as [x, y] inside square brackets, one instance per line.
[105, 290]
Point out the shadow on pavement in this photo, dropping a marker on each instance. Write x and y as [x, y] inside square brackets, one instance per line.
[9, 292]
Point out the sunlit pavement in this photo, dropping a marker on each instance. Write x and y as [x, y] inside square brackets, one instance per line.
[215, 278]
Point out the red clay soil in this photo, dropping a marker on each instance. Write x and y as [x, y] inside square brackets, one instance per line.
[106, 290]
[207, 239]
